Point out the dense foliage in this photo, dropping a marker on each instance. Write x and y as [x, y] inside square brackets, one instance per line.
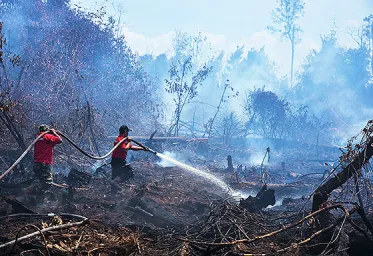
[66, 67]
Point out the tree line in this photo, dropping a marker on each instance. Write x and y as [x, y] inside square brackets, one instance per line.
[71, 68]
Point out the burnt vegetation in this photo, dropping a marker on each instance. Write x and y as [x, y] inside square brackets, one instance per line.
[289, 188]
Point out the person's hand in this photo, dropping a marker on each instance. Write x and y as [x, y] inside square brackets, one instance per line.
[54, 132]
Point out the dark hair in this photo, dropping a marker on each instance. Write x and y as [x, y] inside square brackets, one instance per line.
[43, 128]
[123, 129]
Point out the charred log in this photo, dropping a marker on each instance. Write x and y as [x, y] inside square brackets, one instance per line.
[230, 164]
[264, 198]
[17, 206]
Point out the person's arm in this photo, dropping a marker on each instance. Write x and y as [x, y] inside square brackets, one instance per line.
[129, 146]
[53, 137]
[136, 148]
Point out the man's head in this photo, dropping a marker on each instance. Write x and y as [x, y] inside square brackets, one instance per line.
[43, 128]
[124, 129]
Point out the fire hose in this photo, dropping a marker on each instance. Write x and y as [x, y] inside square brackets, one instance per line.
[88, 155]
[144, 147]
[111, 151]
[75, 146]
[23, 155]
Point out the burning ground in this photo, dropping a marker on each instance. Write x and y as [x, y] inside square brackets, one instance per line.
[169, 210]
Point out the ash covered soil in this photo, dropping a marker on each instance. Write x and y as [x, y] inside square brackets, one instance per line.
[170, 211]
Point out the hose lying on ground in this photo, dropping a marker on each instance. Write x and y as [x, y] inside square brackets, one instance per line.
[83, 221]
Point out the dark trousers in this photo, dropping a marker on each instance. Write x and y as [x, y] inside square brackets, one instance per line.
[44, 176]
[119, 168]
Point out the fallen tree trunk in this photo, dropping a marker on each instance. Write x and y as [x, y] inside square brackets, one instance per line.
[173, 139]
[322, 193]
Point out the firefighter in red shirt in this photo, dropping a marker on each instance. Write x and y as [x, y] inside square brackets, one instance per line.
[119, 168]
[43, 157]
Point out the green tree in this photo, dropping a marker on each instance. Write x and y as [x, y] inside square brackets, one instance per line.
[285, 17]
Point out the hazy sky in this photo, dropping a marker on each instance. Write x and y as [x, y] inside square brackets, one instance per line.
[148, 24]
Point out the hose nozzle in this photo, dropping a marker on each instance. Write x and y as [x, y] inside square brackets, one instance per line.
[149, 150]
[152, 151]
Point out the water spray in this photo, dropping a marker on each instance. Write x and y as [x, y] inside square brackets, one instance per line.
[221, 184]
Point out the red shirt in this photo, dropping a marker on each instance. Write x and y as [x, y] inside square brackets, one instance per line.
[121, 152]
[43, 150]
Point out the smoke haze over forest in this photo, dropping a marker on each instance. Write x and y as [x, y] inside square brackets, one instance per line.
[149, 26]
[245, 127]
[212, 69]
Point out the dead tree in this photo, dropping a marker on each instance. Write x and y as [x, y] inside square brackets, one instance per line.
[210, 124]
[7, 103]
[230, 164]
[149, 143]
[263, 173]
[322, 193]
[91, 122]
[356, 158]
